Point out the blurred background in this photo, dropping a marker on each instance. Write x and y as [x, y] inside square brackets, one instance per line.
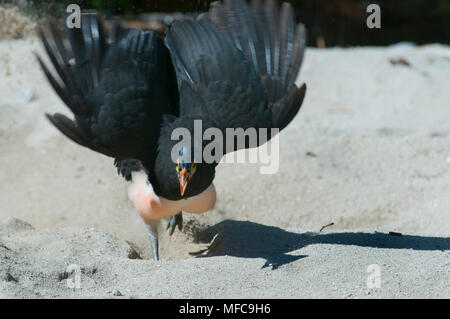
[330, 22]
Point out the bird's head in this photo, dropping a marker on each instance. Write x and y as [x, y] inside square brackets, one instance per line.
[178, 173]
[185, 169]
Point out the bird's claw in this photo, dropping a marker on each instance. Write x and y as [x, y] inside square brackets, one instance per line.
[176, 220]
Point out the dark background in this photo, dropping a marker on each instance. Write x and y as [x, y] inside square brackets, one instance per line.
[329, 22]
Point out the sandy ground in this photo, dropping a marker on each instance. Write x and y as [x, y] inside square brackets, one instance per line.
[369, 152]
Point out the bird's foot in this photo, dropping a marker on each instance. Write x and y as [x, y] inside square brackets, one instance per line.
[153, 234]
[176, 220]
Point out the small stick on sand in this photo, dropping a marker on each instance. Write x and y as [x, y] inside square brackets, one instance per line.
[323, 227]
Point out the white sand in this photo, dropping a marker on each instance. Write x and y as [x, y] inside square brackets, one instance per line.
[379, 135]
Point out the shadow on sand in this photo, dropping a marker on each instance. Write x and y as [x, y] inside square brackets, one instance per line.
[252, 240]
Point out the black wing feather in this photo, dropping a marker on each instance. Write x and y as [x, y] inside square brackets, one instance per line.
[269, 38]
[221, 84]
[118, 90]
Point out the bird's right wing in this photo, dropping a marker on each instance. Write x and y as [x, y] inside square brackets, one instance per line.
[268, 37]
[118, 90]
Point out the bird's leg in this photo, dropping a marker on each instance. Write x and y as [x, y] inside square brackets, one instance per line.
[176, 220]
[153, 234]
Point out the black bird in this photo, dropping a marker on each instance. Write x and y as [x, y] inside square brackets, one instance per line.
[233, 67]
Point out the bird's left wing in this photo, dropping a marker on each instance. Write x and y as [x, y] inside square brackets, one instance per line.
[217, 84]
[268, 36]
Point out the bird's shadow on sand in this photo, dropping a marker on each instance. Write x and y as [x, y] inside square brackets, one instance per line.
[252, 240]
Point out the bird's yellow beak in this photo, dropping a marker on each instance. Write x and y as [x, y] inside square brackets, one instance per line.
[183, 178]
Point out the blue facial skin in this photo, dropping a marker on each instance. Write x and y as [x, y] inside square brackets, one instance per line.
[185, 169]
[182, 164]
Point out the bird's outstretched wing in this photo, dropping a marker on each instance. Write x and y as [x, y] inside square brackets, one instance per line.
[217, 84]
[270, 39]
[235, 85]
[117, 89]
